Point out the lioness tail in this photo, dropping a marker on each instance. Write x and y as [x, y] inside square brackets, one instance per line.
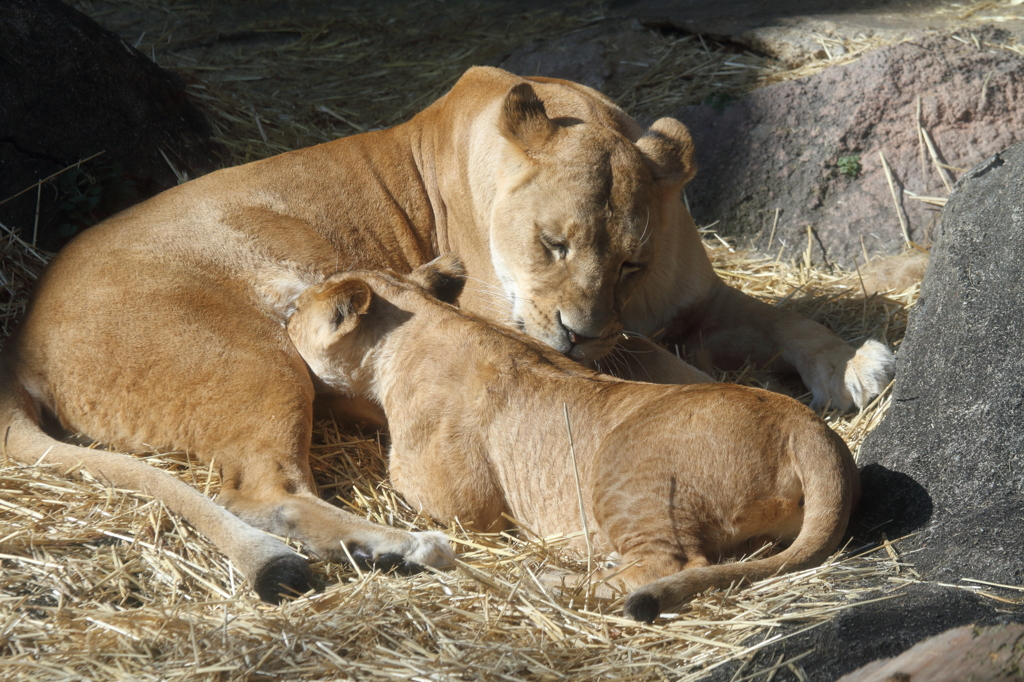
[270, 565]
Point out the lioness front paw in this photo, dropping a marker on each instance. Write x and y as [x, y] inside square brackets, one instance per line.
[432, 549]
[869, 372]
[854, 379]
[408, 555]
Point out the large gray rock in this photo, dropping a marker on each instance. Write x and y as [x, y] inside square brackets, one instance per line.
[947, 462]
[780, 147]
[956, 426]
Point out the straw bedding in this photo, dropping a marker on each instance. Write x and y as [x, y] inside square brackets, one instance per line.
[98, 583]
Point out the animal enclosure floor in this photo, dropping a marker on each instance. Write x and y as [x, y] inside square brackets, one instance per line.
[98, 583]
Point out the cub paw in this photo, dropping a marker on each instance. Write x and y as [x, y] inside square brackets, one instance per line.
[855, 379]
[600, 584]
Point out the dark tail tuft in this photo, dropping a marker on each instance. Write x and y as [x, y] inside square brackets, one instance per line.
[642, 607]
[284, 577]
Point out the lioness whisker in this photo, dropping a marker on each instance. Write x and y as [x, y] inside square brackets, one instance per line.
[645, 236]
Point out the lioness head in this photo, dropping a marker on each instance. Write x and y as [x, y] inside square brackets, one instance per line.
[336, 324]
[578, 218]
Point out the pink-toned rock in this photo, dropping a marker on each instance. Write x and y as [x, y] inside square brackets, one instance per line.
[965, 653]
[780, 146]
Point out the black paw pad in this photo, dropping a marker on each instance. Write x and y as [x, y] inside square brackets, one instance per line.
[388, 562]
[283, 577]
[642, 607]
[362, 557]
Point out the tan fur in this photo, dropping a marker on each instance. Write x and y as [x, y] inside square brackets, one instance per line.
[163, 327]
[673, 477]
[893, 273]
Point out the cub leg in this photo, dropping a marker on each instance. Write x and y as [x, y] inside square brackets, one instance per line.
[448, 486]
[639, 566]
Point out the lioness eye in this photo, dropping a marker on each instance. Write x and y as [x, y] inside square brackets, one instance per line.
[628, 269]
[558, 249]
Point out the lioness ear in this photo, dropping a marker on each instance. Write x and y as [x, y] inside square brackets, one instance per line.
[524, 121]
[347, 300]
[668, 147]
[443, 278]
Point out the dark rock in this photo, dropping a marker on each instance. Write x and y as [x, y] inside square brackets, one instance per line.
[867, 632]
[957, 422]
[580, 57]
[947, 462]
[964, 653]
[70, 89]
[603, 57]
[788, 146]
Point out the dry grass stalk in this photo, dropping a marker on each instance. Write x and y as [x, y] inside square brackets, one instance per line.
[895, 198]
[21, 264]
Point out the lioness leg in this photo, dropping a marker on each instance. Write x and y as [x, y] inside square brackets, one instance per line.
[215, 376]
[638, 359]
[739, 328]
[279, 497]
[267, 482]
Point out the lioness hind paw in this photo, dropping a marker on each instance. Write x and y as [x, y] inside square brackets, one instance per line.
[868, 372]
[286, 576]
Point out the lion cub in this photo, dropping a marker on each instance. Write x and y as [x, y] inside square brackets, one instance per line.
[673, 477]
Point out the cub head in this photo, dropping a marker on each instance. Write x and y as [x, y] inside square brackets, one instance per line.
[579, 217]
[338, 324]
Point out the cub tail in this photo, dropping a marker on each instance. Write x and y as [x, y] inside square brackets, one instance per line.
[831, 488]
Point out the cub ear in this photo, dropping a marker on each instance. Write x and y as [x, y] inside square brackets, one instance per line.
[443, 278]
[345, 302]
[524, 121]
[668, 148]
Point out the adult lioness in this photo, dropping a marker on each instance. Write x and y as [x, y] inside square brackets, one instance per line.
[670, 477]
[164, 326]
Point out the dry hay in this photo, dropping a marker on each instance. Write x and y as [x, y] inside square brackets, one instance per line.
[100, 583]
